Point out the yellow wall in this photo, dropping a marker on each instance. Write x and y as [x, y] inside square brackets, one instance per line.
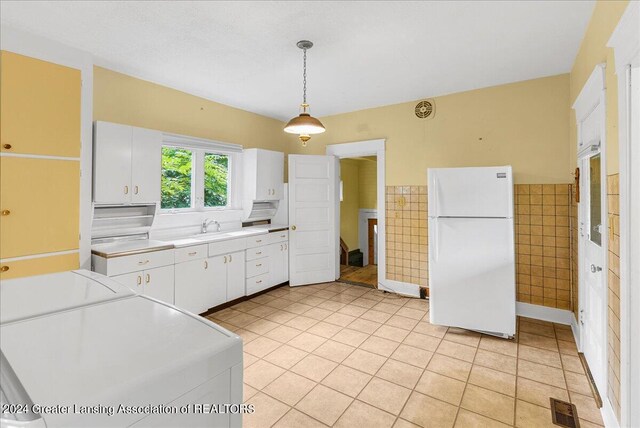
[349, 175]
[524, 124]
[359, 191]
[593, 50]
[124, 99]
[368, 178]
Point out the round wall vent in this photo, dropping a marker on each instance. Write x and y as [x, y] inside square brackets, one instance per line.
[425, 109]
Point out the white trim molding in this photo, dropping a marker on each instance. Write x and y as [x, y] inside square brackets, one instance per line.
[376, 148]
[544, 313]
[625, 42]
[364, 214]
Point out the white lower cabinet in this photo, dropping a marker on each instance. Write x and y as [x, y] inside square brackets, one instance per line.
[156, 282]
[279, 263]
[217, 280]
[235, 276]
[208, 282]
[267, 262]
[192, 291]
[199, 277]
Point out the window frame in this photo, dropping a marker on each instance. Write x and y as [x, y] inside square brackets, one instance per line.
[198, 149]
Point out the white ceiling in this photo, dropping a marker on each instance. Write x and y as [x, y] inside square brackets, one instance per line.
[366, 54]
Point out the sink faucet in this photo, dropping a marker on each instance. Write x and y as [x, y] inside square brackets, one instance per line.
[206, 223]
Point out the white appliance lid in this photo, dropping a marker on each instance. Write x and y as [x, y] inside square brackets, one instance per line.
[44, 294]
[132, 351]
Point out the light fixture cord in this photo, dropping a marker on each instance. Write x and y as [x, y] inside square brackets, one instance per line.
[304, 77]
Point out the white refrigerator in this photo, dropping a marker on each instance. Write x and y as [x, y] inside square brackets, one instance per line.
[471, 249]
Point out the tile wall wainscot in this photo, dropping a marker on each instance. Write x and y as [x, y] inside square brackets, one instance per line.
[407, 238]
[613, 195]
[543, 240]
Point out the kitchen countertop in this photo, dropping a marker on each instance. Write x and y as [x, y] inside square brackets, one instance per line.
[126, 248]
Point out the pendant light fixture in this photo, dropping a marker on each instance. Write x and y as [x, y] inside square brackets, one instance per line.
[304, 125]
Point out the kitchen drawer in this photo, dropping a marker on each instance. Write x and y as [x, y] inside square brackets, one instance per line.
[191, 253]
[267, 238]
[257, 267]
[281, 236]
[256, 253]
[126, 264]
[257, 283]
[230, 246]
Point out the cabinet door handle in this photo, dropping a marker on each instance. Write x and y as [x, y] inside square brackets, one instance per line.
[206, 264]
[293, 227]
[283, 236]
[258, 264]
[258, 253]
[286, 246]
[258, 241]
[4, 268]
[193, 253]
[6, 146]
[6, 212]
[230, 258]
[258, 282]
[225, 259]
[139, 279]
[143, 262]
[148, 278]
[126, 190]
[135, 190]
[281, 247]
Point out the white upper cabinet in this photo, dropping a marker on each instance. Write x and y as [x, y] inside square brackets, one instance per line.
[111, 163]
[263, 175]
[146, 165]
[126, 164]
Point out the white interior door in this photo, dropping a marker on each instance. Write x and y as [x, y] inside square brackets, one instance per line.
[313, 245]
[593, 316]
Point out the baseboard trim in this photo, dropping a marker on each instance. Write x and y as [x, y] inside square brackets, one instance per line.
[544, 313]
[608, 415]
[575, 328]
[404, 288]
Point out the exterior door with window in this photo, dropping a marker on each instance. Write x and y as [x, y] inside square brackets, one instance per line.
[593, 316]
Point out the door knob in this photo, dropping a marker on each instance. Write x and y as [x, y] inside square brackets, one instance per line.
[595, 269]
[293, 228]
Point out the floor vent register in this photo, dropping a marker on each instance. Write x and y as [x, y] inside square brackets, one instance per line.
[564, 414]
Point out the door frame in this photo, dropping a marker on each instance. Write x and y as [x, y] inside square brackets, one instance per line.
[375, 148]
[593, 95]
[625, 42]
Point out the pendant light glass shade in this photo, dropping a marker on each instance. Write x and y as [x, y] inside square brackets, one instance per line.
[304, 124]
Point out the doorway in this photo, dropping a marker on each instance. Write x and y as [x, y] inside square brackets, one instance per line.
[592, 227]
[358, 221]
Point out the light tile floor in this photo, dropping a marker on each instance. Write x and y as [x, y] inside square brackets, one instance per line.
[342, 355]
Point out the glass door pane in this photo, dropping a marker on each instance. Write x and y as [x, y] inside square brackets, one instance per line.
[595, 200]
